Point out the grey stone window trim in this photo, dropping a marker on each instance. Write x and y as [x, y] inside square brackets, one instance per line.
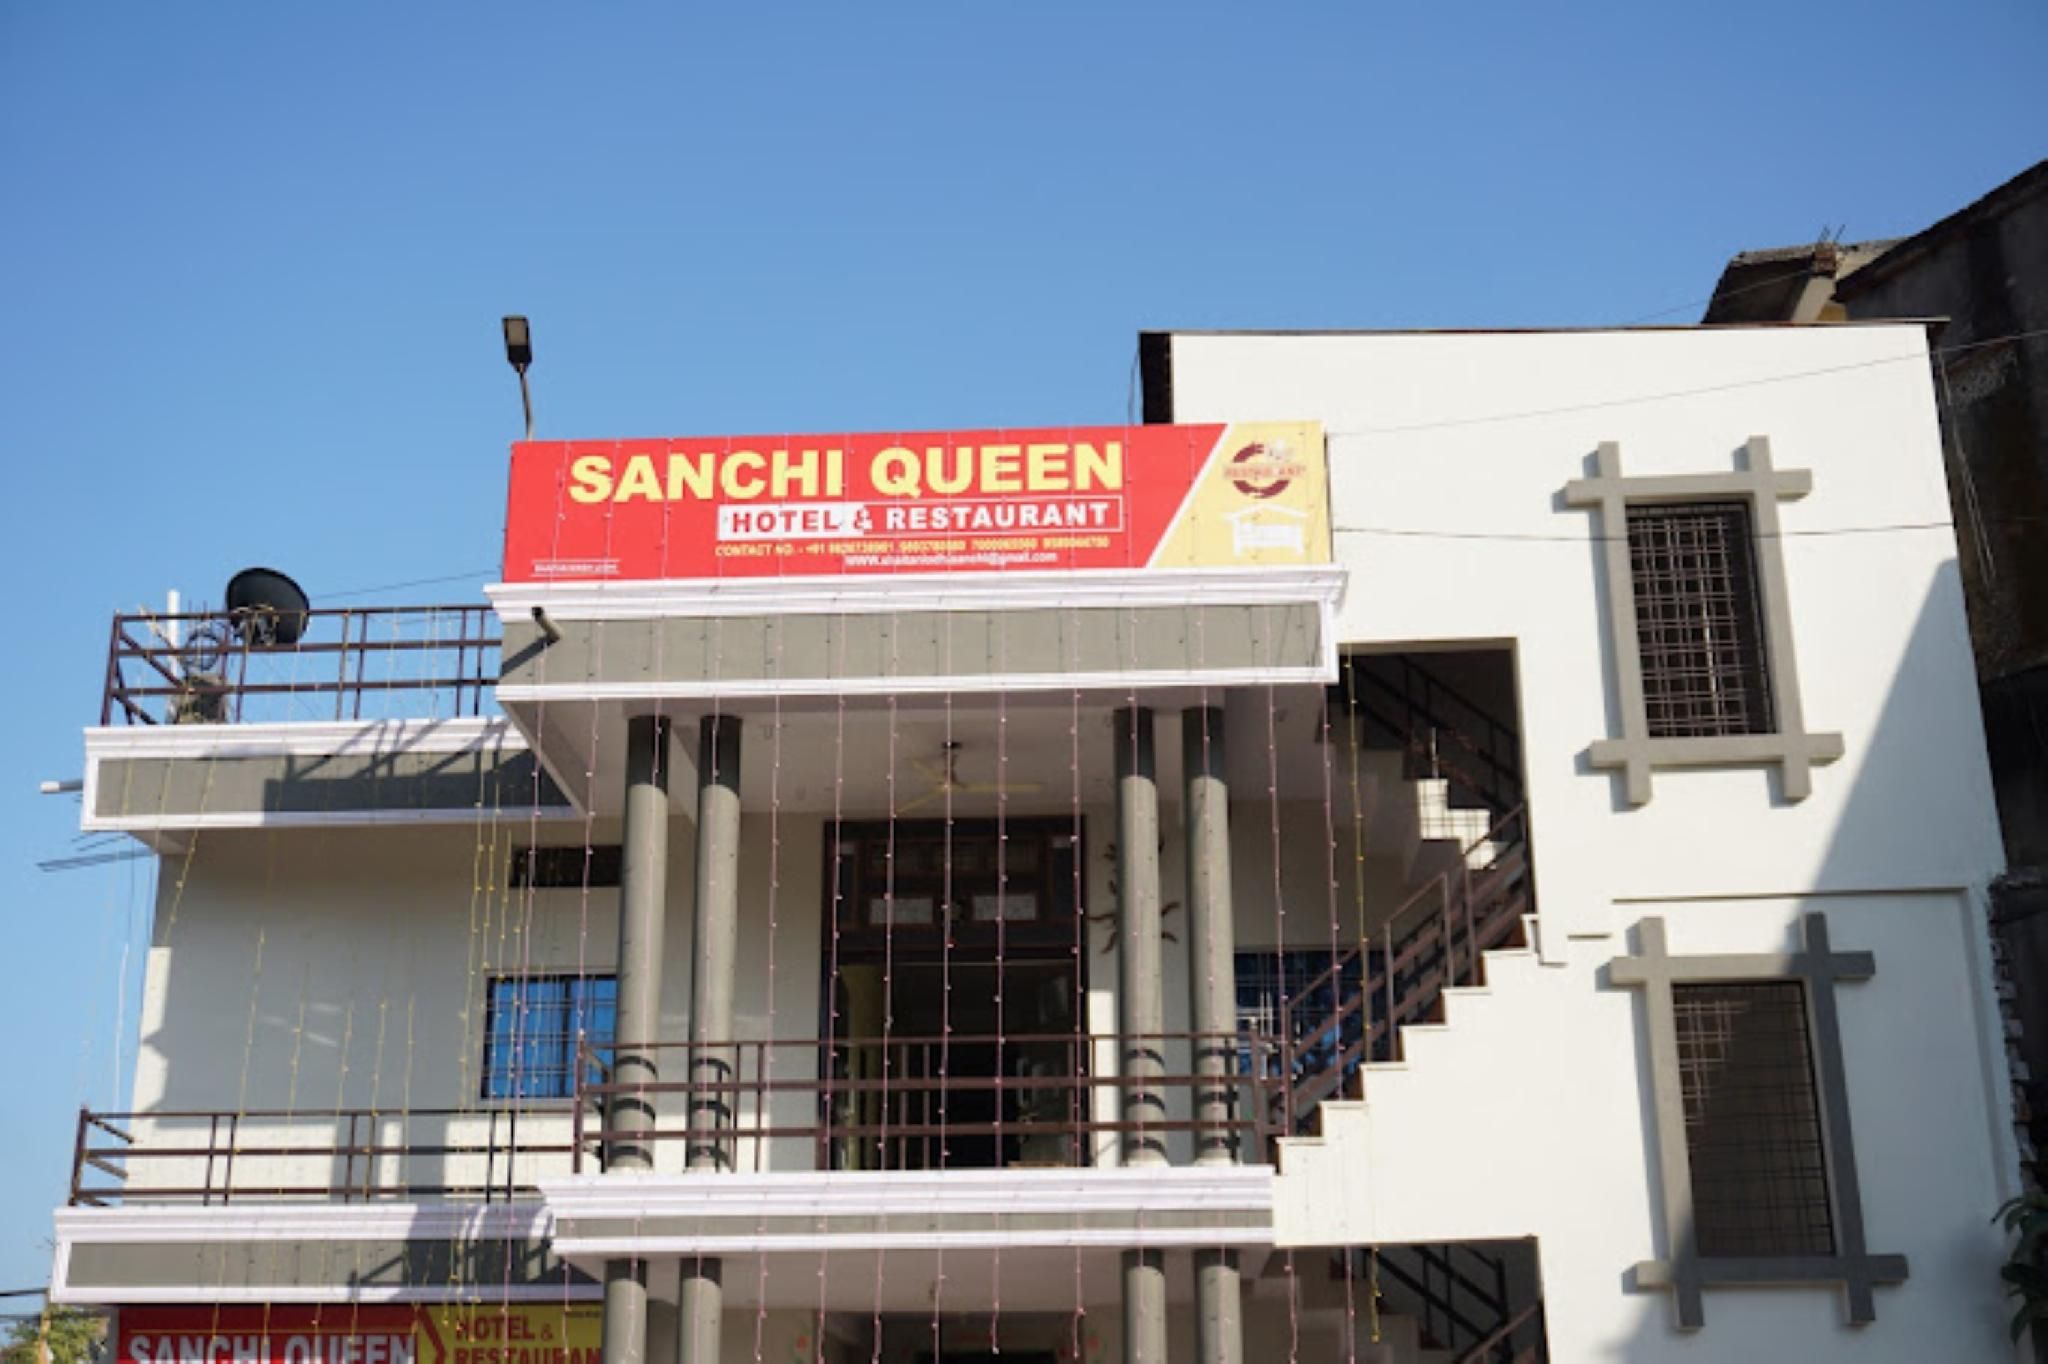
[1636, 754]
[1686, 1273]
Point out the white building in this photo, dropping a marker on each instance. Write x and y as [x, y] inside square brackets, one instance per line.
[1592, 964]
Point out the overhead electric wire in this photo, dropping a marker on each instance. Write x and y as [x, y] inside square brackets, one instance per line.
[1717, 296]
[1597, 537]
[97, 859]
[465, 576]
[1669, 395]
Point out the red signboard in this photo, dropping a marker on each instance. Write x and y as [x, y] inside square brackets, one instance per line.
[775, 506]
[350, 1333]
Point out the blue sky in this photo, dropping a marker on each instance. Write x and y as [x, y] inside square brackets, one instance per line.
[252, 258]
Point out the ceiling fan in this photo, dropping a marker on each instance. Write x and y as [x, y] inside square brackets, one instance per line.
[944, 776]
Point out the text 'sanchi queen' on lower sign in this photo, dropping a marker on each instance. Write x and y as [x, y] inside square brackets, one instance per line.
[344, 1333]
[1119, 497]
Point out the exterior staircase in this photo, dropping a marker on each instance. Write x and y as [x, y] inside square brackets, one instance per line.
[1395, 702]
[1443, 1304]
[1457, 1303]
[1352, 1014]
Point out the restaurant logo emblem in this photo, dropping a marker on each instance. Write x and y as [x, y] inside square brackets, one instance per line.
[1263, 471]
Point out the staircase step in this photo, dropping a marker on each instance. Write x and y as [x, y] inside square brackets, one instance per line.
[1501, 964]
[1425, 1036]
[1451, 993]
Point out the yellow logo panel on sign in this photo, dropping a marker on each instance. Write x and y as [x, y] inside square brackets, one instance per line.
[1262, 499]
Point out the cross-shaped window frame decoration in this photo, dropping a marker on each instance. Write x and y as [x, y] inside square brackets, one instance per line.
[1819, 968]
[1636, 753]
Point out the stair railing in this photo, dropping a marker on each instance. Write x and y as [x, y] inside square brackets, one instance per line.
[1449, 734]
[1500, 1344]
[1396, 976]
[1459, 1296]
[1438, 1288]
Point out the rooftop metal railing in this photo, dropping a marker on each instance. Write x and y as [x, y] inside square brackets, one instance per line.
[347, 663]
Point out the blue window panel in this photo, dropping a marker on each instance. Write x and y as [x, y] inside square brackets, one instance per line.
[531, 1029]
[1274, 998]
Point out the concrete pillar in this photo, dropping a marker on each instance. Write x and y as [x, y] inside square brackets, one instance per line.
[1141, 1010]
[1144, 1307]
[625, 1312]
[1212, 932]
[643, 915]
[1141, 999]
[700, 1317]
[643, 906]
[1212, 995]
[715, 928]
[700, 1308]
[1219, 1307]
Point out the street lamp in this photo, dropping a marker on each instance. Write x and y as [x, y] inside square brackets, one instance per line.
[519, 354]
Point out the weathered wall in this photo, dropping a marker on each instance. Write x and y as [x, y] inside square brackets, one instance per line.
[1986, 272]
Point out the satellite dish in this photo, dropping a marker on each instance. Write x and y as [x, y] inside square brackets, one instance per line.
[268, 609]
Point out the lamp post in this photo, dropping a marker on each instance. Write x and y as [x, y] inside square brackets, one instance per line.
[519, 354]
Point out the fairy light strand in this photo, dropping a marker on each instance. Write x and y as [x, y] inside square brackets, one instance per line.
[889, 916]
[1002, 911]
[832, 975]
[1354, 745]
[1077, 1097]
[764, 1107]
[944, 915]
[1336, 1041]
[1286, 1007]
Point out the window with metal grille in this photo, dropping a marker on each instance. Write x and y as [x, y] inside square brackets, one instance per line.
[1699, 625]
[1266, 977]
[532, 1025]
[570, 868]
[1300, 977]
[1752, 1120]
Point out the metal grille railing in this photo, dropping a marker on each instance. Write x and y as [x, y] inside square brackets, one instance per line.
[368, 663]
[1397, 975]
[907, 1103]
[345, 1155]
[1699, 627]
[1752, 1120]
[1461, 1295]
[925, 1103]
[1443, 733]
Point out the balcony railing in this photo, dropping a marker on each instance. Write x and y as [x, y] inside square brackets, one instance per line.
[904, 1103]
[910, 1103]
[351, 663]
[339, 1156]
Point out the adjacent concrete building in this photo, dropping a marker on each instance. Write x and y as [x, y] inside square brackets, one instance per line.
[1980, 276]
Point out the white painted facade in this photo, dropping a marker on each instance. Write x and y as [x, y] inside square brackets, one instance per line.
[1448, 454]
[315, 969]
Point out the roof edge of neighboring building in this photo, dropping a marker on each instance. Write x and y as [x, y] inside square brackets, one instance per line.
[1805, 251]
[1769, 284]
[1846, 323]
[2028, 183]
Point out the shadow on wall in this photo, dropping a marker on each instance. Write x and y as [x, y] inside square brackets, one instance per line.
[1923, 760]
[1927, 1192]
[273, 999]
[417, 781]
[1603, 609]
[478, 1265]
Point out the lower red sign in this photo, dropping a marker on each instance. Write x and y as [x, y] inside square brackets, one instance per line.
[460, 1333]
